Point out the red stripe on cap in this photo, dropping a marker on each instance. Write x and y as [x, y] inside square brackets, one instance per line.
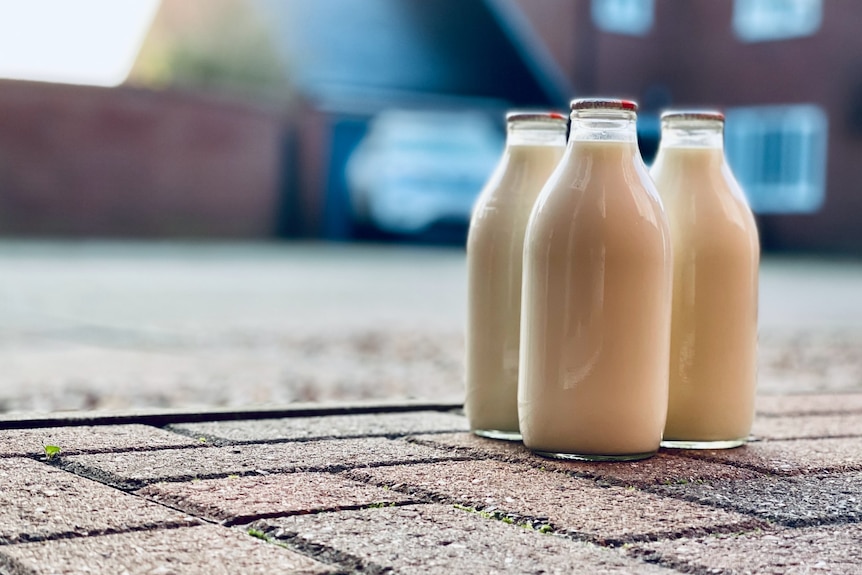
[604, 103]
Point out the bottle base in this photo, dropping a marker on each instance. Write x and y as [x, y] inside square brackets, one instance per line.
[721, 444]
[498, 434]
[594, 457]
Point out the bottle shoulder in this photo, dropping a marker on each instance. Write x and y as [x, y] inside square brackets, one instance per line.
[609, 218]
[706, 205]
[602, 176]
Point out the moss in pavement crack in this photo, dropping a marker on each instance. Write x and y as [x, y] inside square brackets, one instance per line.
[539, 526]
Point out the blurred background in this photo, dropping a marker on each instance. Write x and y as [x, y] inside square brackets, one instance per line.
[227, 202]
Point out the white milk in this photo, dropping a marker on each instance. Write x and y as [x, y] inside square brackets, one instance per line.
[713, 354]
[595, 327]
[495, 247]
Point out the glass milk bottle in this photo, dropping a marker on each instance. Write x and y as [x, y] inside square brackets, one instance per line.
[713, 353]
[495, 246]
[595, 315]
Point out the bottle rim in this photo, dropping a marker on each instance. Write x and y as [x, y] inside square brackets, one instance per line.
[535, 116]
[604, 104]
[709, 115]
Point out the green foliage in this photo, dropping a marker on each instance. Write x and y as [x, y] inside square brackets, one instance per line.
[258, 534]
[51, 451]
[214, 45]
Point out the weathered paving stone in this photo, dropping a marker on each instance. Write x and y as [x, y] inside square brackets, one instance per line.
[204, 550]
[809, 404]
[790, 457]
[326, 426]
[662, 469]
[135, 470]
[808, 426]
[832, 549]
[242, 499]
[794, 501]
[439, 539]
[38, 501]
[607, 515]
[95, 438]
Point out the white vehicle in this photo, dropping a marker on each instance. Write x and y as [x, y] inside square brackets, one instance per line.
[417, 168]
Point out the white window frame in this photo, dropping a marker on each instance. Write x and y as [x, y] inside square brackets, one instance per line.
[628, 17]
[766, 20]
[801, 181]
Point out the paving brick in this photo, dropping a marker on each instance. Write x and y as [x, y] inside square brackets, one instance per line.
[793, 501]
[242, 499]
[204, 550]
[439, 539]
[327, 426]
[135, 470]
[833, 549]
[663, 468]
[579, 506]
[790, 457]
[808, 426]
[38, 501]
[810, 404]
[29, 442]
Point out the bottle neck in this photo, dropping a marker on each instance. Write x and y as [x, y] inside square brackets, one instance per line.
[692, 134]
[536, 133]
[604, 125]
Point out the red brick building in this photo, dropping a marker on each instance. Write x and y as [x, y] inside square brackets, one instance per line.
[788, 71]
[125, 162]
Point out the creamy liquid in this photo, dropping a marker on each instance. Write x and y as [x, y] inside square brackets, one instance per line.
[596, 308]
[494, 253]
[713, 358]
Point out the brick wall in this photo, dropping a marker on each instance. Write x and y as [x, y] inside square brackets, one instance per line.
[121, 162]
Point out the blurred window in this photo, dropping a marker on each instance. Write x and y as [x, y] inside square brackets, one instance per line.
[778, 154]
[631, 17]
[762, 20]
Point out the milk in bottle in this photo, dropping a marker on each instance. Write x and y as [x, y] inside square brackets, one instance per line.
[534, 144]
[713, 353]
[595, 316]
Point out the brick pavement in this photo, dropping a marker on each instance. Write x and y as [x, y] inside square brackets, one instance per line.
[413, 492]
